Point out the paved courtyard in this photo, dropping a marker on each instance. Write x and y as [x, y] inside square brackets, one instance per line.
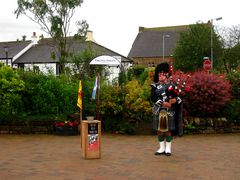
[47, 157]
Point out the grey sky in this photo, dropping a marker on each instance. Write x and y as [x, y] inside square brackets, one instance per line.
[115, 23]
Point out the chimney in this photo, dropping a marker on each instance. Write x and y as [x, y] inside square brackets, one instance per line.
[141, 29]
[34, 38]
[89, 36]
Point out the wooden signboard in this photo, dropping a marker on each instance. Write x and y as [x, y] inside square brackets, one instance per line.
[91, 139]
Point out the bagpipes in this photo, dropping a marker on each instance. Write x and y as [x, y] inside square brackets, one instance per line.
[179, 85]
[172, 92]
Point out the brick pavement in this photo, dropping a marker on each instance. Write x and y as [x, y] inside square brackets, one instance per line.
[47, 157]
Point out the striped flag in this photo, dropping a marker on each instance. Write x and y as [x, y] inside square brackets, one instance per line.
[79, 101]
[96, 86]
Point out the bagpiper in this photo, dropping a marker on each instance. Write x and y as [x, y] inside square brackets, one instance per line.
[167, 108]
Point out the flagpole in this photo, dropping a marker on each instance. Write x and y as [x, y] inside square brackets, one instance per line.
[97, 102]
[80, 115]
[80, 127]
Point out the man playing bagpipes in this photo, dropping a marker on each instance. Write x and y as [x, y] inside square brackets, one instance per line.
[167, 108]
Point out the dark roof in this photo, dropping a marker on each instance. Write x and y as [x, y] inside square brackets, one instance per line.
[149, 41]
[14, 47]
[43, 51]
[39, 53]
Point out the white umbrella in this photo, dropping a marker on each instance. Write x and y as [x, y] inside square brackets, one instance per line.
[105, 60]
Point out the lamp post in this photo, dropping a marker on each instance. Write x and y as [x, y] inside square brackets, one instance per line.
[217, 19]
[167, 36]
[6, 53]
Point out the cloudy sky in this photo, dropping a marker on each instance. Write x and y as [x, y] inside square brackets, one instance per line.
[115, 23]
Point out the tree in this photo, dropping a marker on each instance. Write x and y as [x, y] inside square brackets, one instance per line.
[54, 18]
[231, 58]
[193, 45]
[230, 35]
[82, 67]
[231, 54]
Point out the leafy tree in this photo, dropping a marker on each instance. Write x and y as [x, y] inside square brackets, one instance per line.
[82, 68]
[230, 35]
[193, 45]
[54, 17]
[231, 39]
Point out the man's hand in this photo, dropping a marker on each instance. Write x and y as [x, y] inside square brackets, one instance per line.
[172, 101]
[166, 105]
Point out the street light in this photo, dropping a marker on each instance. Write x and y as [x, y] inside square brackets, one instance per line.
[6, 53]
[217, 19]
[167, 36]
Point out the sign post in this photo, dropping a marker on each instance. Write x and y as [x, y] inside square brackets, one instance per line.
[207, 64]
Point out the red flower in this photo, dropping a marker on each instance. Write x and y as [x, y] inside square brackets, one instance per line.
[66, 124]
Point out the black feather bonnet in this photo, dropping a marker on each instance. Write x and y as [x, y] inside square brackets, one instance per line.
[162, 68]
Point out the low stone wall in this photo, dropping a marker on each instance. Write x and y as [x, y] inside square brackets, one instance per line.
[192, 125]
[34, 127]
[24, 129]
[210, 125]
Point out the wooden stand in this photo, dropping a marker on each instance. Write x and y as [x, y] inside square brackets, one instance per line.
[91, 139]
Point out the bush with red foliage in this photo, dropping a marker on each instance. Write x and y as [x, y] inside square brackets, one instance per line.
[209, 93]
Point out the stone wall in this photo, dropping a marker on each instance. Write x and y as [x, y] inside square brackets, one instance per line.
[192, 125]
[35, 127]
[210, 125]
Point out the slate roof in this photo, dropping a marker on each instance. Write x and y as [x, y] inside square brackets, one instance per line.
[14, 47]
[149, 41]
[42, 52]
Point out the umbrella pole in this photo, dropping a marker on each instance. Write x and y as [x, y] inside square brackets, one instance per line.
[98, 101]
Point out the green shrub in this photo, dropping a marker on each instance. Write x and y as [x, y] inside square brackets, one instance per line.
[189, 128]
[11, 87]
[137, 102]
[234, 79]
[232, 110]
[47, 94]
[126, 128]
[135, 72]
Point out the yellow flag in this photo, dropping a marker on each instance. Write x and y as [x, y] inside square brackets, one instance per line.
[79, 101]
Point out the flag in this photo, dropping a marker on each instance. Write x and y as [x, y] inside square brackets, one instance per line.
[79, 101]
[95, 89]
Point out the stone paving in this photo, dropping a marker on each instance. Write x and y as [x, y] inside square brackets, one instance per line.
[47, 157]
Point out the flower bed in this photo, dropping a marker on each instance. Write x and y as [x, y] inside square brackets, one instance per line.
[67, 128]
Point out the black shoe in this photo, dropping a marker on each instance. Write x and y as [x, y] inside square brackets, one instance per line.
[157, 153]
[168, 154]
